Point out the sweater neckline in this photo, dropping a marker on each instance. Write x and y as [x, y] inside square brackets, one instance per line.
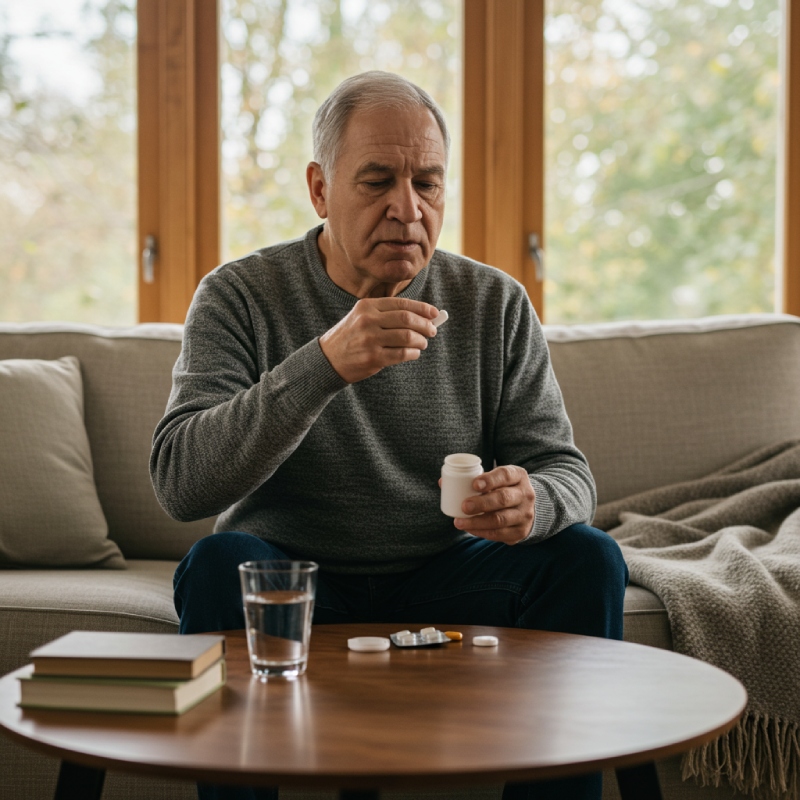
[338, 295]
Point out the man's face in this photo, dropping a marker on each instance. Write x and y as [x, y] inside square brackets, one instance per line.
[384, 203]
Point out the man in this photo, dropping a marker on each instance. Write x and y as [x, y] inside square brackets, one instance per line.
[314, 402]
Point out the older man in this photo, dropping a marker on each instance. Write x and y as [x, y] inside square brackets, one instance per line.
[314, 402]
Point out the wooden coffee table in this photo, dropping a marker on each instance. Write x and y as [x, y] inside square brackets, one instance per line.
[539, 705]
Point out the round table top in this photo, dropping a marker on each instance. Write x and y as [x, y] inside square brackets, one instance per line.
[538, 705]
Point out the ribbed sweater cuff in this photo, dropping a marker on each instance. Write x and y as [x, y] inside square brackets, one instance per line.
[309, 379]
[544, 518]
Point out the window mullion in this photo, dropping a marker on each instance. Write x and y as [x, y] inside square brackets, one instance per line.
[790, 235]
[178, 150]
[503, 135]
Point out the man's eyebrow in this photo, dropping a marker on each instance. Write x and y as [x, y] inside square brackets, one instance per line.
[372, 166]
[376, 166]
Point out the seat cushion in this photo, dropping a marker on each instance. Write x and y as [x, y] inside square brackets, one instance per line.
[646, 620]
[39, 605]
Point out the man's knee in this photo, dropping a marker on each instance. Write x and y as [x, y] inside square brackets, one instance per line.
[595, 555]
[226, 550]
[221, 553]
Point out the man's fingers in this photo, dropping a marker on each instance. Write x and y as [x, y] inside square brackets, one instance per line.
[402, 337]
[504, 497]
[387, 304]
[406, 320]
[505, 509]
[502, 476]
[508, 518]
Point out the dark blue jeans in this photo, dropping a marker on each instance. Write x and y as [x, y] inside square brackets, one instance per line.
[573, 582]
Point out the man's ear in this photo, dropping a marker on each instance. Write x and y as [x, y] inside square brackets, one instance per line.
[317, 189]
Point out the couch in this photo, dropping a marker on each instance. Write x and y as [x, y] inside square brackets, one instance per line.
[652, 403]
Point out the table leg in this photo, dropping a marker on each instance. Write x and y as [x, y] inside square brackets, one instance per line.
[358, 794]
[639, 783]
[79, 783]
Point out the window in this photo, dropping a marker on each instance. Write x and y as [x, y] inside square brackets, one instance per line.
[69, 135]
[68, 161]
[505, 158]
[662, 133]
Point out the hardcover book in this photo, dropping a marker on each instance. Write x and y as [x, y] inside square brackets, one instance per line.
[129, 655]
[137, 695]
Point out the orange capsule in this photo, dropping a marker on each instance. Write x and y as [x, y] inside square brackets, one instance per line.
[454, 636]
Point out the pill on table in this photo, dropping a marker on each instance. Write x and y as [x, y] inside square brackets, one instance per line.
[401, 633]
[485, 641]
[409, 638]
[455, 636]
[428, 631]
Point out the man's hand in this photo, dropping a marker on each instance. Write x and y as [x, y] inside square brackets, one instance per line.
[506, 506]
[377, 333]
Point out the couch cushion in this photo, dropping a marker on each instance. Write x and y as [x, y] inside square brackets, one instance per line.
[127, 376]
[645, 619]
[654, 403]
[49, 511]
[39, 605]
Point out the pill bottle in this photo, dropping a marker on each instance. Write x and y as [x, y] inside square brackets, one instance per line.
[458, 472]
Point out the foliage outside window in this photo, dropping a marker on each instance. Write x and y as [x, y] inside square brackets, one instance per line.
[662, 130]
[67, 161]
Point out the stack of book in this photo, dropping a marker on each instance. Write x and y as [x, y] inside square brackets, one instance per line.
[145, 673]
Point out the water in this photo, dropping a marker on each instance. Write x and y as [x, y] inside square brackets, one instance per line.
[278, 630]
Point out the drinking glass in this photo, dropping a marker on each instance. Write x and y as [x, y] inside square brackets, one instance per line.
[278, 599]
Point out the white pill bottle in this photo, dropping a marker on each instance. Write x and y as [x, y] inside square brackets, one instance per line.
[458, 472]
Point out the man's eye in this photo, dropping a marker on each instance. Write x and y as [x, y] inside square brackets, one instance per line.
[376, 184]
[424, 186]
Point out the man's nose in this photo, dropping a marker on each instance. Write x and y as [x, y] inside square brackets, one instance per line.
[404, 203]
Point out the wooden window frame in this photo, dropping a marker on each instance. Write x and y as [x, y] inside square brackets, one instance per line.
[503, 170]
[503, 150]
[790, 233]
[179, 142]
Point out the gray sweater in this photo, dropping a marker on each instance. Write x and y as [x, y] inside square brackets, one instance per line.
[260, 429]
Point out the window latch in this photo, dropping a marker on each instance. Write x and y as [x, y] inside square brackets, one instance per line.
[149, 255]
[537, 255]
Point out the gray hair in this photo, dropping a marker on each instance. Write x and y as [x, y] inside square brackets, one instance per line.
[367, 91]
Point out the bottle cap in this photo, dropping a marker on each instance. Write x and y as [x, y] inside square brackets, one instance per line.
[367, 644]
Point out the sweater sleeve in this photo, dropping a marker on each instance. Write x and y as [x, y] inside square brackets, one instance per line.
[228, 426]
[534, 432]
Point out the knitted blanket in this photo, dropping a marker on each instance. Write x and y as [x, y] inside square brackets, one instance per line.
[723, 555]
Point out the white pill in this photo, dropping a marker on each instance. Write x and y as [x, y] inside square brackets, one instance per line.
[409, 638]
[366, 644]
[485, 641]
[401, 633]
[428, 631]
[443, 316]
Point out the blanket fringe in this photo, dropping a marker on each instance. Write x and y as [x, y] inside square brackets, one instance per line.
[760, 756]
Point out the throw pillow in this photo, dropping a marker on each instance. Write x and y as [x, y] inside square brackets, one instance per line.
[50, 514]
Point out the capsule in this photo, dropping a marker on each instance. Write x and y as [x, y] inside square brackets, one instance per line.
[454, 636]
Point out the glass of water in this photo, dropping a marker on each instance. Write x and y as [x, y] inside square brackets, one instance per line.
[278, 601]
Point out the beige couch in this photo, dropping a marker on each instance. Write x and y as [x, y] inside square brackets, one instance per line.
[651, 404]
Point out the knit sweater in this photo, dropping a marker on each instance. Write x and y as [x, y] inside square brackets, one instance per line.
[262, 431]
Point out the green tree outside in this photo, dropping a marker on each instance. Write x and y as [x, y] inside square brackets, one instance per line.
[662, 130]
[68, 177]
